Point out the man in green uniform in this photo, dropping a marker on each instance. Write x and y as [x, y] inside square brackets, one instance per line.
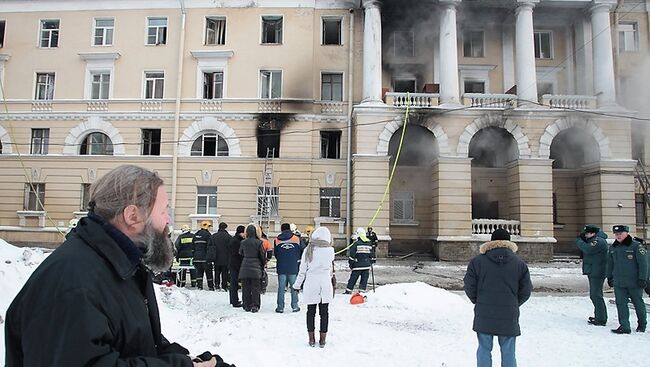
[591, 242]
[627, 272]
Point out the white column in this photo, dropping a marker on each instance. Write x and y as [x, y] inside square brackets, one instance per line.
[371, 52]
[604, 82]
[526, 74]
[449, 91]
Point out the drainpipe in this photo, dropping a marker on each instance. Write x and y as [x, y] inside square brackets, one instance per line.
[617, 70]
[177, 113]
[348, 168]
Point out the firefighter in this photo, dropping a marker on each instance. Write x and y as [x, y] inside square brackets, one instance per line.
[184, 255]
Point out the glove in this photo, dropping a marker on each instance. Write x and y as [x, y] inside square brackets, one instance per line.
[610, 282]
[206, 356]
[642, 283]
[582, 236]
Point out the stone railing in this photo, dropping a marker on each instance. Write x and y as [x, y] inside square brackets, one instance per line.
[413, 99]
[569, 101]
[151, 106]
[487, 226]
[332, 108]
[42, 106]
[490, 100]
[93, 106]
[269, 106]
[210, 105]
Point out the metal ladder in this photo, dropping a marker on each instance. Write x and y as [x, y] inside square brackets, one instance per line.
[266, 206]
[641, 176]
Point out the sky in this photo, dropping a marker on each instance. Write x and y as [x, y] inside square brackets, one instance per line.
[410, 324]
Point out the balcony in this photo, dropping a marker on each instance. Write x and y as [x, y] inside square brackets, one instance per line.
[490, 100]
[415, 100]
[569, 101]
[487, 226]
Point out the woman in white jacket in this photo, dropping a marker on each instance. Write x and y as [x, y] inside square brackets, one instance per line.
[316, 269]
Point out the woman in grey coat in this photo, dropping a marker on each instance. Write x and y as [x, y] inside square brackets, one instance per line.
[250, 272]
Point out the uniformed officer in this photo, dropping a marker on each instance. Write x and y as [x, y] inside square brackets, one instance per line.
[627, 272]
[591, 241]
[184, 256]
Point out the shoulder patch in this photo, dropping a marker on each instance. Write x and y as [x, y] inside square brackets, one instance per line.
[594, 243]
[642, 251]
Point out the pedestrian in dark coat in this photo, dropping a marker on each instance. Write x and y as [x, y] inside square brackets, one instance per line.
[220, 240]
[498, 283]
[627, 272]
[234, 263]
[92, 302]
[201, 262]
[252, 268]
[594, 264]
[185, 255]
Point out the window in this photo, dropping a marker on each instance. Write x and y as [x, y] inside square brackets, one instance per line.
[49, 33]
[404, 43]
[640, 206]
[268, 138]
[154, 85]
[628, 37]
[215, 31]
[271, 29]
[404, 85]
[104, 28]
[473, 44]
[40, 141]
[34, 197]
[44, 86]
[267, 201]
[331, 31]
[403, 207]
[2, 33]
[0, 147]
[543, 45]
[271, 83]
[210, 145]
[150, 141]
[330, 144]
[99, 85]
[96, 144]
[331, 87]
[156, 31]
[213, 85]
[85, 197]
[206, 200]
[474, 86]
[330, 202]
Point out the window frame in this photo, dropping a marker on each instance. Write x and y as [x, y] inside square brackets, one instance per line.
[103, 85]
[635, 37]
[332, 84]
[213, 83]
[50, 31]
[209, 210]
[158, 28]
[208, 18]
[154, 80]
[37, 191]
[330, 18]
[49, 88]
[85, 196]
[278, 33]
[105, 31]
[43, 141]
[407, 198]
[467, 32]
[474, 80]
[324, 148]
[330, 199]
[550, 37]
[3, 28]
[403, 79]
[273, 197]
[270, 86]
[106, 144]
[148, 146]
[218, 139]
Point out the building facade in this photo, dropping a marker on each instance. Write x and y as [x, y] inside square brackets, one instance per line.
[293, 111]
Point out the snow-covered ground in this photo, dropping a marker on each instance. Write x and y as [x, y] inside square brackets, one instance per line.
[407, 324]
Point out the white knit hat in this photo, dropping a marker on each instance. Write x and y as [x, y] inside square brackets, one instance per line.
[322, 234]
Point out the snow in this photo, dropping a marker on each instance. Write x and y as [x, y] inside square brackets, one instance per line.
[409, 324]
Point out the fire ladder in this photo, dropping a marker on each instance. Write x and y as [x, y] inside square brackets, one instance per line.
[267, 203]
[641, 176]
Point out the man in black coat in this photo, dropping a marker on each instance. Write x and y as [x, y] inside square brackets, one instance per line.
[497, 282]
[234, 263]
[203, 262]
[220, 240]
[92, 302]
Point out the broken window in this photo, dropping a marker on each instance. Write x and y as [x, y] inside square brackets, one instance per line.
[150, 141]
[215, 30]
[330, 144]
[271, 29]
[331, 31]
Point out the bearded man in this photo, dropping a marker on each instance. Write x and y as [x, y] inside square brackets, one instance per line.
[92, 301]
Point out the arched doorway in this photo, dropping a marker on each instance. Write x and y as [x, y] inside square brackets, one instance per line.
[571, 150]
[491, 149]
[411, 220]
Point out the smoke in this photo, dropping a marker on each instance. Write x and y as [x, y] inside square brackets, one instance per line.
[420, 147]
[493, 147]
[573, 148]
[269, 128]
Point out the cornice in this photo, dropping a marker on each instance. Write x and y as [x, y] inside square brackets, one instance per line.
[160, 117]
[210, 54]
[99, 56]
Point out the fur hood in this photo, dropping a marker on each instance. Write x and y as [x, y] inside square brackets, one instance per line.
[491, 245]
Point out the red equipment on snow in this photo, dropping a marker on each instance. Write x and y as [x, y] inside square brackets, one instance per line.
[357, 299]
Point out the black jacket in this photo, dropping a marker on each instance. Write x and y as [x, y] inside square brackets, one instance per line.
[220, 241]
[361, 255]
[184, 246]
[234, 262]
[200, 242]
[90, 302]
[497, 282]
[254, 258]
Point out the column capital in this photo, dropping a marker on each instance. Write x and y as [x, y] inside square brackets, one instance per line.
[369, 4]
[526, 4]
[450, 3]
[601, 6]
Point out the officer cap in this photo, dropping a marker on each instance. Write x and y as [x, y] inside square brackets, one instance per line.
[620, 228]
[590, 228]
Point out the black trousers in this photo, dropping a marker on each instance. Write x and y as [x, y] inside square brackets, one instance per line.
[182, 277]
[221, 273]
[234, 287]
[203, 267]
[250, 293]
[324, 317]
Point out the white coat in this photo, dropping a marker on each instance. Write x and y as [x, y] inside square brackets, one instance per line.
[317, 276]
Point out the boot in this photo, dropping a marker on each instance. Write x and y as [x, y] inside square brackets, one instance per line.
[312, 338]
[620, 330]
[640, 328]
[321, 342]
